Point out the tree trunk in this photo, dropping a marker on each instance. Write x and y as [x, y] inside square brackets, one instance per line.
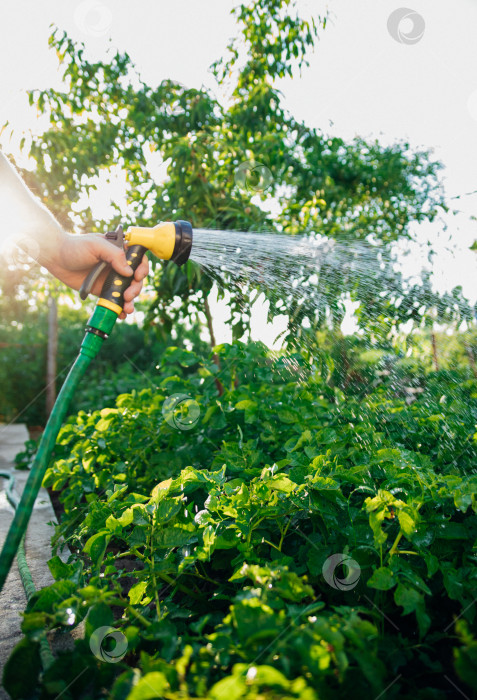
[470, 355]
[208, 316]
[434, 351]
[51, 355]
[213, 343]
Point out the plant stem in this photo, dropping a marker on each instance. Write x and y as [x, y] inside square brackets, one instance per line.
[203, 576]
[283, 533]
[271, 544]
[131, 552]
[138, 616]
[392, 551]
[407, 551]
[154, 582]
[179, 586]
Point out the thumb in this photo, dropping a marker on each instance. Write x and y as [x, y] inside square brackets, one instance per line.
[115, 257]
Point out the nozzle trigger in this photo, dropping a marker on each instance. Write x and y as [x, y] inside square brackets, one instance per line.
[117, 238]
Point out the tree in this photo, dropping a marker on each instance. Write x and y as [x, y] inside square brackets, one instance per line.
[108, 118]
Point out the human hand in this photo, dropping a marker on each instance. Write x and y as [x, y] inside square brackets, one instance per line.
[76, 254]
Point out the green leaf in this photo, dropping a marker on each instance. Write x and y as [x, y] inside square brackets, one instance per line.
[407, 521]
[412, 601]
[96, 545]
[126, 518]
[160, 490]
[304, 439]
[465, 656]
[228, 688]
[383, 579]
[266, 676]
[328, 436]
[183, 357]
[376, 519]
[246, 404]
[255, 620]
[279, 482]
[34, 623]
[175, 536]
[58, 568]
[20, 675]
[407, 597]
[47, 599]
[287, 416]
[150, 686]
[100, 615]
[432, 563]
[166, 509]
[107, 416]
[452, 531]
[136, 593]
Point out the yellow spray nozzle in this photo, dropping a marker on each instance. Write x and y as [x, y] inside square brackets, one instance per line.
[167, 241]
[160, 239]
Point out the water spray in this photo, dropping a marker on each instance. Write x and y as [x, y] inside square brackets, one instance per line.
[167, 241]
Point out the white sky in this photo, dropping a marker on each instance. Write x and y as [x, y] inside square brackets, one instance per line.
[360, 81]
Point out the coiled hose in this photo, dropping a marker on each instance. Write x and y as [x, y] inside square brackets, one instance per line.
[46, 656]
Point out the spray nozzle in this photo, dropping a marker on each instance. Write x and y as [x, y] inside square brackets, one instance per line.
[167, 241]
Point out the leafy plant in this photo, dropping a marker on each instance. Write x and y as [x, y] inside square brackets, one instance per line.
[210, 549]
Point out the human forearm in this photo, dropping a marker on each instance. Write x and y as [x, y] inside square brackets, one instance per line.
[30, 221]
[67, 256]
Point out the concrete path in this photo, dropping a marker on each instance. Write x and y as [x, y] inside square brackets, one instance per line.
[38, 549]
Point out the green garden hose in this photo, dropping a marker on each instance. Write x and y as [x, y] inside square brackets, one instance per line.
[46, 656]
[99, 326]
[169, 241]
[25, 506]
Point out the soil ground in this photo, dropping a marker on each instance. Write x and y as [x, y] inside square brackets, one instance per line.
[38, 549]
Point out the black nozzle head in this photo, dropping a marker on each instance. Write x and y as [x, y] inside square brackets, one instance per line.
[183, 244]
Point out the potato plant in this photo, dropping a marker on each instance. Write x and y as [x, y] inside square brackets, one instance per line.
[284, 541]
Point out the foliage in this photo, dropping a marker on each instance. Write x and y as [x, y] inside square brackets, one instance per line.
[299, 525]
[205, 547]
[108, 120]
[23, 360]
[130, 351]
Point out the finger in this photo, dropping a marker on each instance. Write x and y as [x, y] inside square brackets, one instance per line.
[122, 315]
[132, 291]
[142, 270]
[114, 256]
[128, 307]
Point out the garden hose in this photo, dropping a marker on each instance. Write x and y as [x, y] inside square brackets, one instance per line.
[168, 241]
[46, 656]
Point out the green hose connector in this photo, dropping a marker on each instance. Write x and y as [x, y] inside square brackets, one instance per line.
[99, 326]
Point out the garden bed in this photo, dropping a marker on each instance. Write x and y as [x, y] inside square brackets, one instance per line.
[300, 549]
